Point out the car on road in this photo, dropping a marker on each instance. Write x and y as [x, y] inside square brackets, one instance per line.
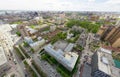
[15, 61]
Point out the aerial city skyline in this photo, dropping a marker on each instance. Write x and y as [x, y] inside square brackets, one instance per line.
[61, 5]
[59, 38]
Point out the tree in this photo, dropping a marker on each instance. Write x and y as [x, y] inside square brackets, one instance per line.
[85, 24]
[18, 33]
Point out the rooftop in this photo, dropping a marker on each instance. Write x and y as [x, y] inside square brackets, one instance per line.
[31, 30]
[3, 58]
[103, 63]
[106, 51]
[115, 71]
[68, 59]
[69, 47]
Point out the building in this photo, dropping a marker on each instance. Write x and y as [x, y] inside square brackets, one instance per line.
[106, 31]
[28, 40]
[21, 28]
[100, 64]
[69, 47]
[69, 35]
[78, 29]
[52, 28]
[67, 59]
[14, 27]
[4, 65]
[103, 64]
[59, 20]
[82, 40]
[42, 27]
[113, 37]
[93, 17]
[39, 19]
[110, 34]
[38, 44]
[35, 45]
[31, 32]
[118, 23]
[116, 43]
[101, 30]
[3, 58]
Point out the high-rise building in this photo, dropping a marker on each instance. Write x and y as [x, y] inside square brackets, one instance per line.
[102, 30]
[116, 43]
[118, 23]
[100, 64]
[110, 34]
[113, 37]
[106, 32]
[103, 64]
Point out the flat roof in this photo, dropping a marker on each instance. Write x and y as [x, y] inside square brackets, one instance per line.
[106, 51]
[68, 60]
[31, 30]
[69, 47]
[115, 71]
[103, 63]
[3, 58]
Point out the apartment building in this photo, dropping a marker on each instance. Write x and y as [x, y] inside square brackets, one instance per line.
[114, 35]
[103, 64]
[110, 34]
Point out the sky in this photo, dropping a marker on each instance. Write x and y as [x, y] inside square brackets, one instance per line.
[61, 5]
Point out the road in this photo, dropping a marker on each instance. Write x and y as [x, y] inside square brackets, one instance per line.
[85, 52]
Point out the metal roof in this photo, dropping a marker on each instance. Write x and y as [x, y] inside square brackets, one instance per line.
[68, 60]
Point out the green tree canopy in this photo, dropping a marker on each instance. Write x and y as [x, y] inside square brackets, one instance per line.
[84, 24]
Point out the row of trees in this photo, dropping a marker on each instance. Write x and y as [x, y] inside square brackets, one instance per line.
[91, 27]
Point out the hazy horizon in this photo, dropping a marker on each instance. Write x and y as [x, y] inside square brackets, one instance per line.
[61, 5]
